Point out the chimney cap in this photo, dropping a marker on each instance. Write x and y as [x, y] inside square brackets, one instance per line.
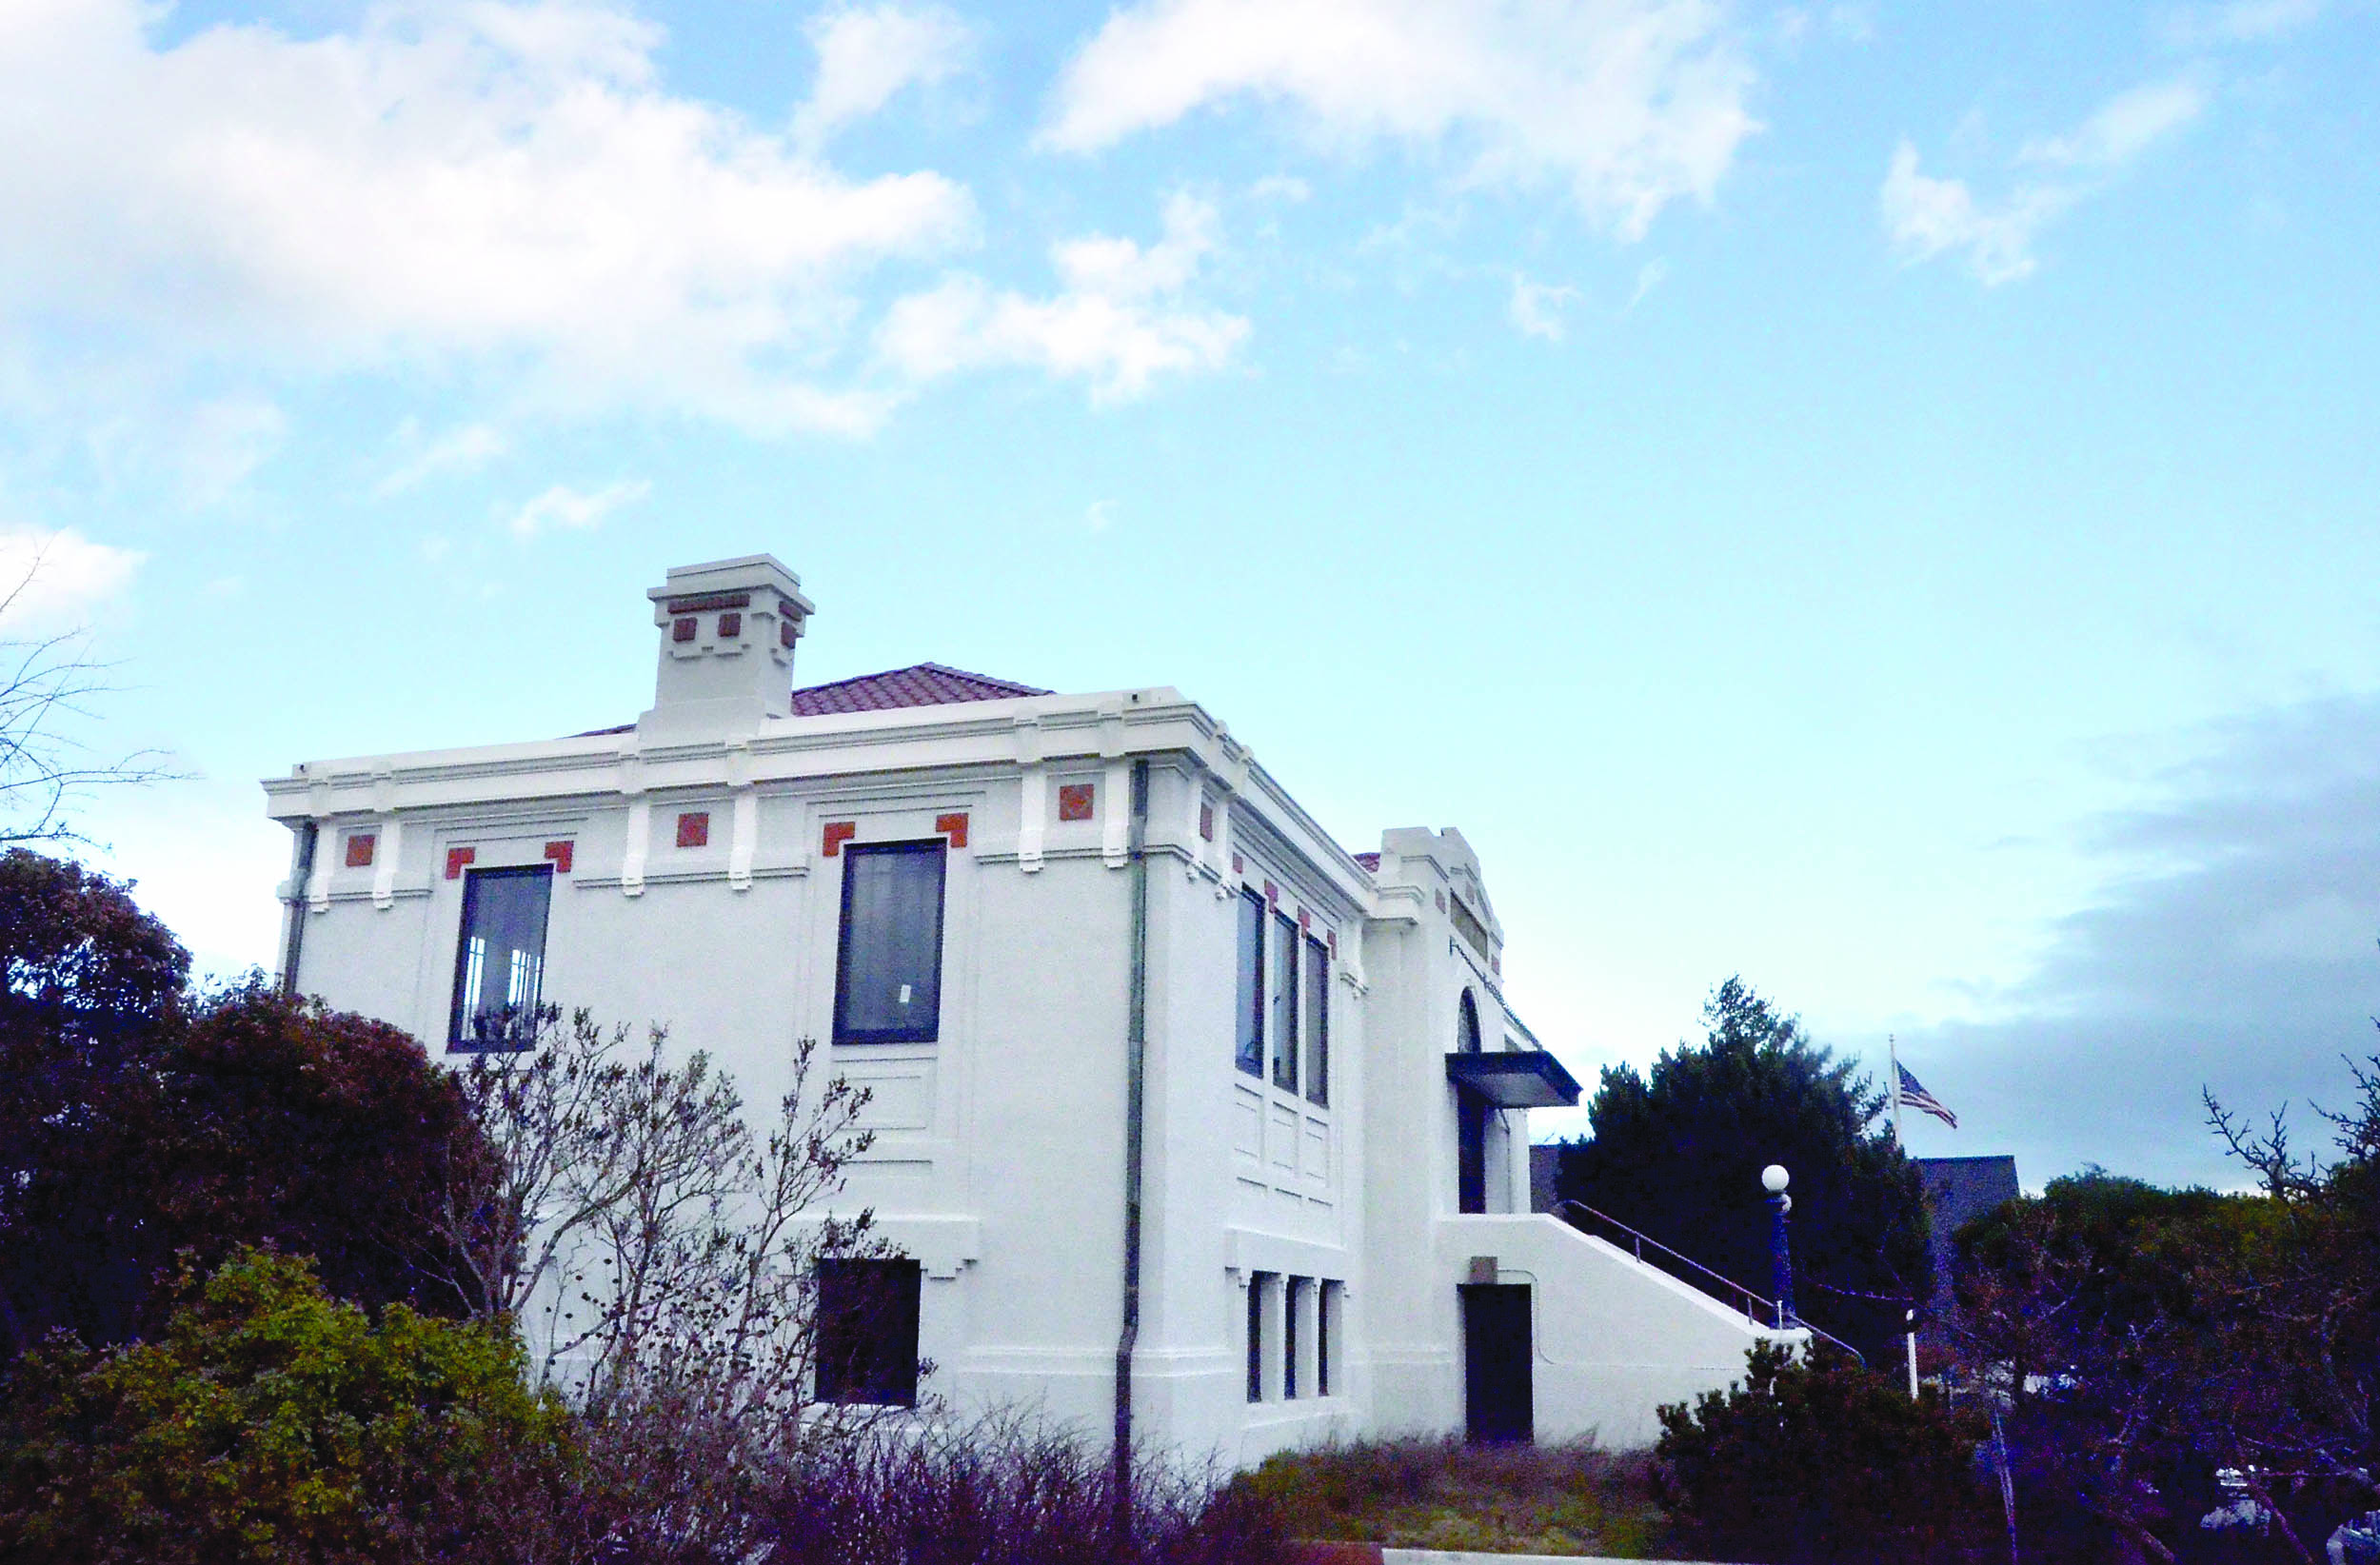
[743, 574]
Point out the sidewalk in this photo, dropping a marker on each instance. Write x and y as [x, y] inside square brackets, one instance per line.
[1371, 1554]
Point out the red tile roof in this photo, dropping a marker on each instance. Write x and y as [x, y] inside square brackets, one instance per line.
[1369, 861]
[921, 685]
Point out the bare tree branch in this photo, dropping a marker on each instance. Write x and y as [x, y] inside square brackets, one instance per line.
[45, 683]
[660, 1257]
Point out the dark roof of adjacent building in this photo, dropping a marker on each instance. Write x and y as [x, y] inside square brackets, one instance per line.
[920, 684]
[1959, 1190]
[1369, 861]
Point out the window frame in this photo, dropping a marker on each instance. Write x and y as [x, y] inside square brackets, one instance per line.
[1470, 1117]
[1287, 1040]
[1256, 1336]
[1249, 995]
[1293, 1293]
[898, 1353]
[520, 1037]
[1314, 1020]
[1325, 1305]
[929, 1030]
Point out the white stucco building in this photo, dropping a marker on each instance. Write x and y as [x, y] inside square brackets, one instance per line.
[990, 902]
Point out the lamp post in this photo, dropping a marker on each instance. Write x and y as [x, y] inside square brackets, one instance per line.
[1774, 1178]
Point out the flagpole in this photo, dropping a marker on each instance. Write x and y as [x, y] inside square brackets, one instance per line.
[1893, 1051]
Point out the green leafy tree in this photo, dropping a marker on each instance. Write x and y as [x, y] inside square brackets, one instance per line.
[1815, 1459]
[1677, 1153]
[271, 1422]
[138, 1120]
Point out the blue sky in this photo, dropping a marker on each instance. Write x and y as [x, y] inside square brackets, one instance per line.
[1876, 498]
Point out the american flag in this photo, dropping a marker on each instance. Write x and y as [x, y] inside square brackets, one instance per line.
[1916, 1096]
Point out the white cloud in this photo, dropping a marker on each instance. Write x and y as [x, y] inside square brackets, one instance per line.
[1536, 307]
[867, 55]
[1122, 319]
[1926, 216]
[495, 184]
[1633, 104]
[1283, 187]
[1099, 515]
[1852, 23]
[52, 580]
[2127, 126]
[575, 510]
[466, 449]
[2239, 22]
[1649, 276]
[225, 441]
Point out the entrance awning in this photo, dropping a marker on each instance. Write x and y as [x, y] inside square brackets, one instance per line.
[1527, 1078]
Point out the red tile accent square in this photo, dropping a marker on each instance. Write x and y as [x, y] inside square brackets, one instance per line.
[953, 826]
[1441, 902]
[557, 854]
[1330, 937]
[784, 630]
[360, 847]
[1238, 865]
[1206, 822]
[730, 626]
[1305, 920]
[694, 829]
[835, 836]
[1074, 801]
[456, 859]
[1271, 895]
[684, 628]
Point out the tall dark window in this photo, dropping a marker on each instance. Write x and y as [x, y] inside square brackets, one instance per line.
[500, 960]
[1471, 1119]
[868, 1331]
[1256, 1282]
[1284, 1028]
[1251, 1024]
[1318, 1023]
[1293, 1300]
[888, 978]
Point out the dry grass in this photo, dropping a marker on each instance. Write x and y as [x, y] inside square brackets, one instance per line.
[1420, 1494]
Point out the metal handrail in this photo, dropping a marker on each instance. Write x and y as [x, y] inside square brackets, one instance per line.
[1753, 1306]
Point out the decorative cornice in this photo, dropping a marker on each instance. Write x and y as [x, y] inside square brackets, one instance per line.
[1109, 728]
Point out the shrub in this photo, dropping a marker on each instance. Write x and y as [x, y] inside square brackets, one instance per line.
[273, 1423]
[1442, 1494]
[1004, 1494]
[1820, 1460]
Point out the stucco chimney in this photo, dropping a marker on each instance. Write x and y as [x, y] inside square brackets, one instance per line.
[727, 630]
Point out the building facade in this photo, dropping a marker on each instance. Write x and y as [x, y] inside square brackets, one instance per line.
[1059, 937]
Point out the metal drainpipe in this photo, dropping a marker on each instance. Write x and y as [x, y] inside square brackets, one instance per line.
[307, 835]
[1136, 1044]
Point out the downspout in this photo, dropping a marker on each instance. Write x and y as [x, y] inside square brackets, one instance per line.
[295, 945]
[1135, 1048]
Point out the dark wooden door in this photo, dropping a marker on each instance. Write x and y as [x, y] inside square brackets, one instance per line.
[1500, 1403]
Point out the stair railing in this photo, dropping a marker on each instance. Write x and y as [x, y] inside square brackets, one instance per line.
[1759, 1310]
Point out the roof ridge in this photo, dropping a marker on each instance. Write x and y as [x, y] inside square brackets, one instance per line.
[969, 674]
[937, 668]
